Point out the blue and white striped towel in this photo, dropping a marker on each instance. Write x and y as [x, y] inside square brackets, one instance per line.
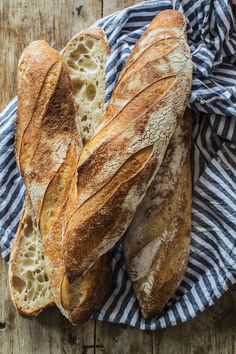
[212, 263]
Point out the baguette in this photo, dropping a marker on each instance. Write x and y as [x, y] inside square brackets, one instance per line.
[47, 148]
[156, 244]
[120, 161]
[85, 56]
[29, 284]
[76, 302]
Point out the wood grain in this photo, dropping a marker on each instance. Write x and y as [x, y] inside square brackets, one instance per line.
[121, 339]
[212, 332]
[115, 5]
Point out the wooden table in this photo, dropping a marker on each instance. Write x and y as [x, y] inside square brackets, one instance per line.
[213, 331]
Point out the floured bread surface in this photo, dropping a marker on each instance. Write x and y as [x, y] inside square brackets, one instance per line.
[30, 287]
[86, 56]
[157, 241]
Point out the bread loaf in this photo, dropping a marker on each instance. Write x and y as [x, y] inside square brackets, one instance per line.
[47, 145]
[156, 244]
[120, 161]
[85, 56]
[54, 193]
[29, 283]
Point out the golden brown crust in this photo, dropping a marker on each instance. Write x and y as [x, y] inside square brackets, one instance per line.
[99, 295]
[168, 19]
[58, 145]
[81, 311]
[142, 114]
[79, 300]
[157, 241]
[163, 28]
[173, 260]
[93, 243]
[29, 86]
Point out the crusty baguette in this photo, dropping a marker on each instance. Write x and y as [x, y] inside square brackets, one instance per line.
[76, 302]
[47, 148]
[29, 284]
[121, 159]
[85, 56]
[156, 245]
[29, 114]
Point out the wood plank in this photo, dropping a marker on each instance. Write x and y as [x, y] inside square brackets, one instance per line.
[118, 339]
[112, 6]
[211, 332]
[21, 22]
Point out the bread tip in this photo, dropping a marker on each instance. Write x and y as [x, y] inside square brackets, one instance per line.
[37, 44]
[169, 19]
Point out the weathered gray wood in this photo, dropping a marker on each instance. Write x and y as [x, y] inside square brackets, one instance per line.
[110, 6]
[213, 332]
[122, 340]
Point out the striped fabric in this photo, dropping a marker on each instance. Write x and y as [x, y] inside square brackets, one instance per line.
[212, 263]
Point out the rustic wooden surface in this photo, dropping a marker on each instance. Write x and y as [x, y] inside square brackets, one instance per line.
[212, 332]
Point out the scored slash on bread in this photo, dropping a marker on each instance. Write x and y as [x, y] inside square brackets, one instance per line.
[46, 141]
[156, 245]
[120, 161]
